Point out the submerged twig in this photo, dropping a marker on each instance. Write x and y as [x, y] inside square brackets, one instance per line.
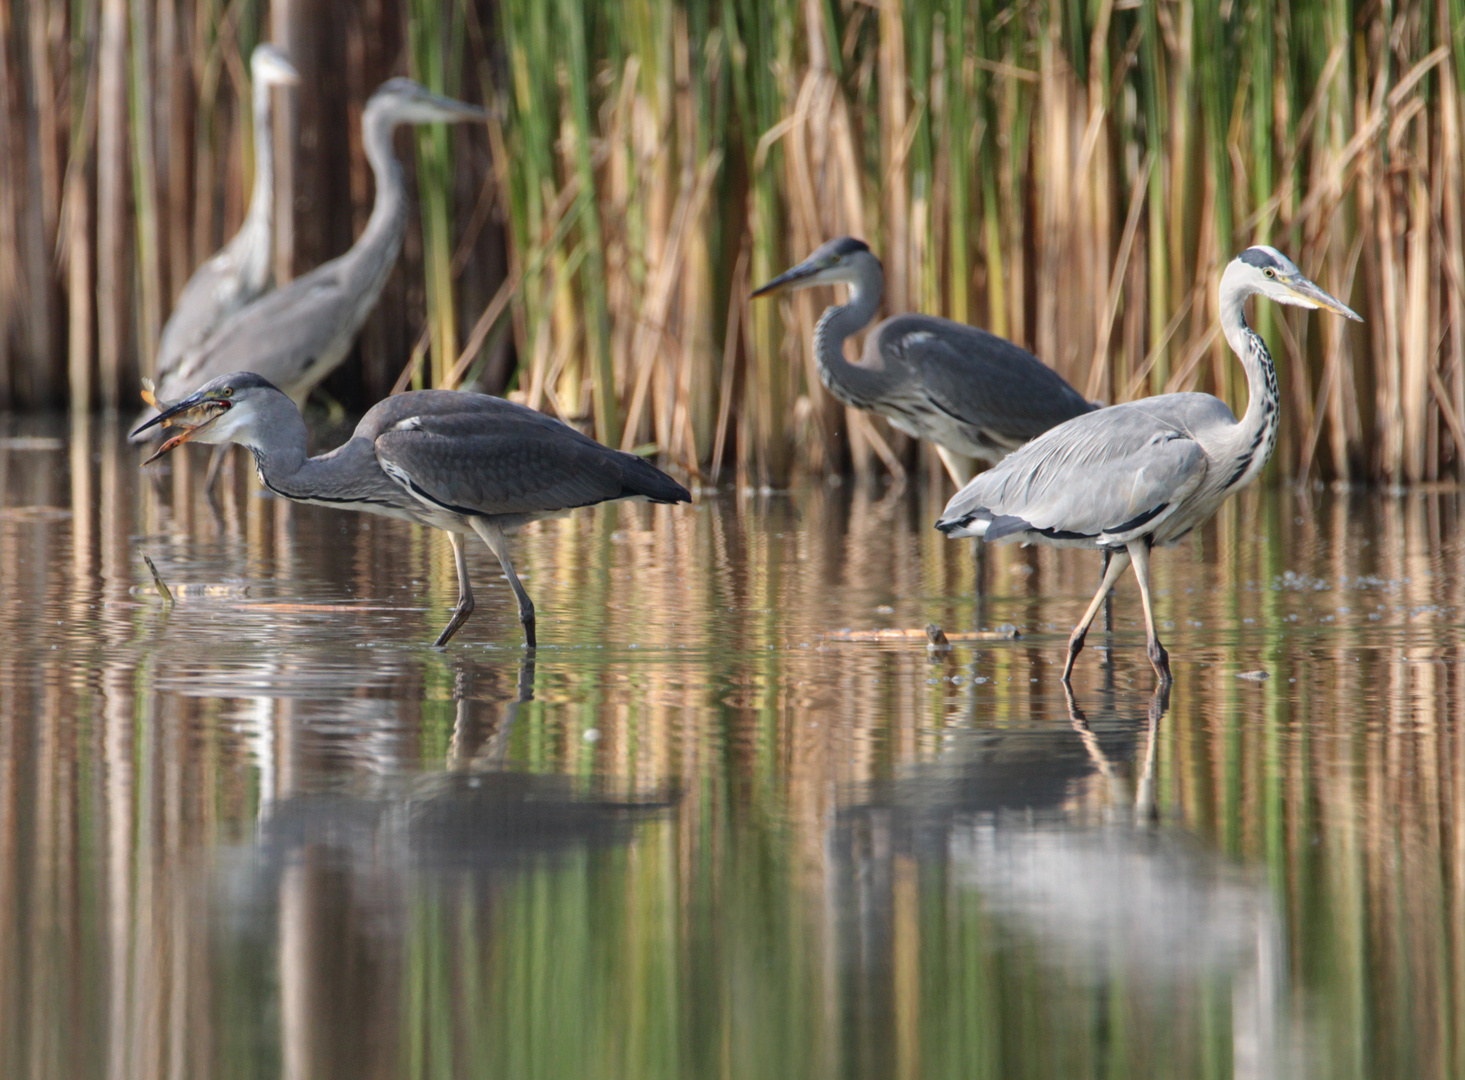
[158, 579]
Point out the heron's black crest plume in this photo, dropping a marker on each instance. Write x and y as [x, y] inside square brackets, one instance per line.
[1259, 257]
[247, 380]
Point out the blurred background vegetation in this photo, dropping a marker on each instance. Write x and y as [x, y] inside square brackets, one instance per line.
[1073, 175]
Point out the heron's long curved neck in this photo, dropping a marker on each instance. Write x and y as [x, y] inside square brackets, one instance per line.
[1256, 434]
[348, 476]
[279, 456]
[375, 251]
[851, 383]
[258, 232]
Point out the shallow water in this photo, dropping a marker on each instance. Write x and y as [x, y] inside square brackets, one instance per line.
[267, 831]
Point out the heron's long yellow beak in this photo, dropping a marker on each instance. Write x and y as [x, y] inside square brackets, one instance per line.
[1314, 295]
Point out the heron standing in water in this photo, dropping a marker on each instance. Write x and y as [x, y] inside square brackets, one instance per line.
[1147, 472]
[464, 463]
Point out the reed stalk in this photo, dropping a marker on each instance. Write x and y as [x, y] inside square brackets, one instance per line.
[432, 32]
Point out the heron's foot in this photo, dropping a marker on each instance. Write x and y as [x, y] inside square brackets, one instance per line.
[526, 617]
[1159, 659]
[460, 616]
[1075, 646]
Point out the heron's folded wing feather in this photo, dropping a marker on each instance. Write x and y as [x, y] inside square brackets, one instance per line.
[508, 463]
[1106, 472]
[212, 294]
[981, 379]
[279, 336]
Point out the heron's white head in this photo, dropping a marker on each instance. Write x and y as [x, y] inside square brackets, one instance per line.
[269, 65]
[241, 407]
[844, 260]
[402, 101]
[1267, 272]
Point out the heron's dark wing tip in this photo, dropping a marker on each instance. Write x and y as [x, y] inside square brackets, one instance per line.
[642, 478]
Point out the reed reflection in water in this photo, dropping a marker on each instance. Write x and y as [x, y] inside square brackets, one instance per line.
[267, 831]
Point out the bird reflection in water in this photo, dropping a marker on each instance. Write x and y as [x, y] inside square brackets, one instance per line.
[1084, 890]
[347, 891]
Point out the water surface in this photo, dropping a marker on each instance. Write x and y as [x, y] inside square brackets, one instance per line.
[711, 830]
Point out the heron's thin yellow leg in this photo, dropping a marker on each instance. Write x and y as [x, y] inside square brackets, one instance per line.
[465, 590]
[1075, 640]
[1139, 551]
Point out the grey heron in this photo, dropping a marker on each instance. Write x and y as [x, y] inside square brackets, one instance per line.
[1147, 472]
[240, 271]
[464, 463]
[296, 335]
[974, 395]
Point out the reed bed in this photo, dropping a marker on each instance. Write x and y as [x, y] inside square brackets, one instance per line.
[1073, 176]
[126, 138]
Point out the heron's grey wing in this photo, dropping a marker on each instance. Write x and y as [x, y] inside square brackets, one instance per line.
[1108, 473]
[281, 336]
[212, 294]
[475, 454]
[980, 379]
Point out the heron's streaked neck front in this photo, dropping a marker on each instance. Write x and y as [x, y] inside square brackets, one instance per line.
[847, 381]
[1257, 431]
[277, 438]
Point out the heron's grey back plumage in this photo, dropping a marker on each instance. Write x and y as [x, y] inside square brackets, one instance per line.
[475, 454]
[1106, 474]
[976, 396]
[997, 393]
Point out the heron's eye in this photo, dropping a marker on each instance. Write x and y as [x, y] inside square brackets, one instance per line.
[228, 391]
[1269, 272]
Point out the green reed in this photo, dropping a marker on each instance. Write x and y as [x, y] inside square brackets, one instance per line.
[434, 32]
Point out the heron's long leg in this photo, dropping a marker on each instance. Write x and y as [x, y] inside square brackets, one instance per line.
[979, 575]
[1075, 639]
[465, 590]
[498, 543]
[1139, 551]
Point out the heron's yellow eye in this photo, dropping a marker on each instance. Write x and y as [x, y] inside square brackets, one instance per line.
[1270, 272]
[228, 391]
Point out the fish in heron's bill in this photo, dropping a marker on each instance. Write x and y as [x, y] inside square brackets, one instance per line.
[192, 416]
